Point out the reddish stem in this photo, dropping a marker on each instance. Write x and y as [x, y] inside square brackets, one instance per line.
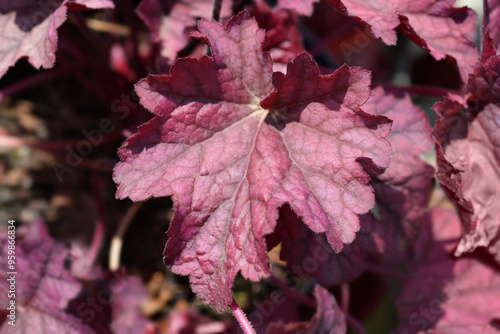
[287, 290]
[423, 91]
[242, 318]
[102, 165]
[37, 79]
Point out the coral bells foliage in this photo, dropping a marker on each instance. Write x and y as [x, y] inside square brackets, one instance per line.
[50, 299]
[45, 287]
[232, 142]
[434, 25]
[260, 147]
[452, 296]
[468, 145]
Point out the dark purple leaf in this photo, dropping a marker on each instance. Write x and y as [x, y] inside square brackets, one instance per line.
[283, 39]
[443, 293]
[310, 255]
[328, 318]
[401, 206]
[29, 29]
[128, 295]
[43, 286]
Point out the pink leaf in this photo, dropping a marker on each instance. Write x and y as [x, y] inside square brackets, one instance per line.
[43, 286]
[93, 4]
[328, 317]
[231, 156]
[169, 21]
[410, 135]
[28, 28]
[468, 147]
[303, 7]
[484, 82]
[126, 300]
[434, 25]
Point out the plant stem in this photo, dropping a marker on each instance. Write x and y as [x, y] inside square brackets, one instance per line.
[423, 91]
[37, 79]
[117, 241]
[287, 290]
[344, 297]
[99, 228]
[355, 324]
[242, 318]
[216, 11]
